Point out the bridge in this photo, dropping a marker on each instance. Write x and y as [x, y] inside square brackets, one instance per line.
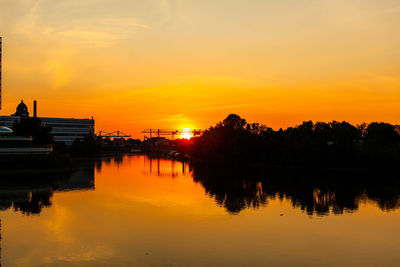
[115, 134]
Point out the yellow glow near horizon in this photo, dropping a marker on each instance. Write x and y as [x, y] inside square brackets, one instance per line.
[186, 133]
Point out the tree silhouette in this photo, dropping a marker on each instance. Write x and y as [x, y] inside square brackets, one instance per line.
[234, 121]
[234, 141]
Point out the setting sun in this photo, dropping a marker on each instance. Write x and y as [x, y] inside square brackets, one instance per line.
[186, 133]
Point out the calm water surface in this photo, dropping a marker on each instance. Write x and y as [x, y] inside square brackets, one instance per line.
[133, 211]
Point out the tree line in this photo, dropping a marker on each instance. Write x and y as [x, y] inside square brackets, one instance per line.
[235, 141]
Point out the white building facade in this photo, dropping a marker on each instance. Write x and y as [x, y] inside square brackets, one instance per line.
[65, 130]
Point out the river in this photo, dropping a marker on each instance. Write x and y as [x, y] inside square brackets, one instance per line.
[137, 211]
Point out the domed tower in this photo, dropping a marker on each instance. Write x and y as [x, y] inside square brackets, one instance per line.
[22, 110]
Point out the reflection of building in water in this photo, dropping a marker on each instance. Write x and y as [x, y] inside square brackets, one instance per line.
[162, 167]
[30, 193]
[82, 179]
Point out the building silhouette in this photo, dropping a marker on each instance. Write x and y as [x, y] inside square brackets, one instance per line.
[65, 130]
[22, 110]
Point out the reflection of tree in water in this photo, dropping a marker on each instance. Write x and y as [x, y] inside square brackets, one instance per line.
[231, 191]
[29, 193]
[321, 194]
[35, 202]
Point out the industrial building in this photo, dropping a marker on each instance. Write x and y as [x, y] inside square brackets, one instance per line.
[65, 130]
[18, 145]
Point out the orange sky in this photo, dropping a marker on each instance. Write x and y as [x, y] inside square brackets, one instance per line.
[183, 63]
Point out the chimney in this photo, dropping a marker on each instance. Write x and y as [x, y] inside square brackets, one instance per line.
[35, 109]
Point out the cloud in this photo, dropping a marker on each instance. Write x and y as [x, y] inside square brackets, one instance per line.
[393, 10]
[94, 31]
[223, 107]
[102, 32]
[28, 25]
[173, 118]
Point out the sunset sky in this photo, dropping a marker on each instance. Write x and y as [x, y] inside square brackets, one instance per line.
[135, 64]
